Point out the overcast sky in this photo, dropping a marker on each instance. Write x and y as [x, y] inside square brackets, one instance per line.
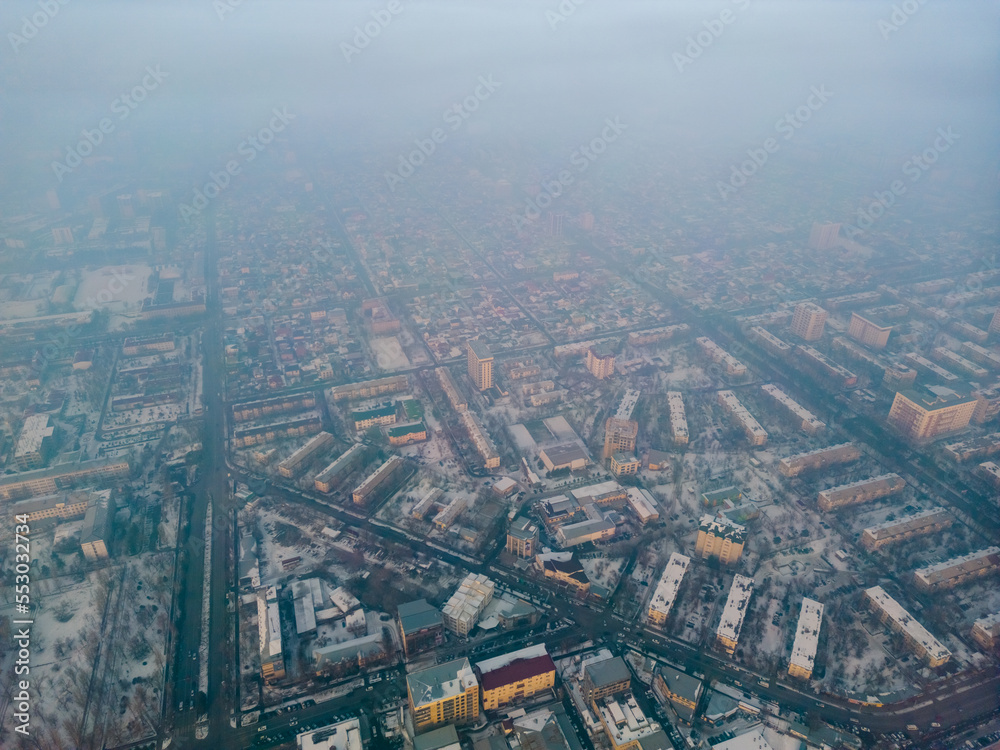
[560, 75]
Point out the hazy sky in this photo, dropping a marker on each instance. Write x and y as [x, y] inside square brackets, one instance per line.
[560, 75]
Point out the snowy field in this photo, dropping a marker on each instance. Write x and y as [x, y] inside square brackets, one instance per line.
[389, 353]
[118, 289]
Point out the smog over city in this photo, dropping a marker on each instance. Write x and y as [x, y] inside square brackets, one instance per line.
[522, 375]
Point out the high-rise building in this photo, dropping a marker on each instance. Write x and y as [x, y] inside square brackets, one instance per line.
[445, 694]
[125, 206]
[587, 221]
[721, 538]
[868, 332]
[995, 322]
[619, 436]
[522, 538]
[925, 415]
[480, 364]
[600, 362]
[62, 235]
[808, 321]
[823, 236]
[556, 223]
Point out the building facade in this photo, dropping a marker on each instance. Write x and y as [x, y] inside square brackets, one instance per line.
[721, 538]
[513, 677]
[480, 364]
[921, 416]
[808, 321]
[445, 694]
[522, 538]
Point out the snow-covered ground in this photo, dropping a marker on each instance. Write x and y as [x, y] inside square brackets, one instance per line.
[389, 353]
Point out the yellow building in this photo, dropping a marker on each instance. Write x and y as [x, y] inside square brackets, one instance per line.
[445, 694]
[480, 362]
[721, 538]
[600, 363]
[619, 436]
[62, 507]
[512, 677]
[624, 463]
[925, 416]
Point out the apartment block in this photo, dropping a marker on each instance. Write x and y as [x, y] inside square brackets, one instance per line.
[481, 439]
[480, 364]
[986, 631]
[619, 436]
[734, 368]
[461, 612]
[378, 481]
[728, 633]
[605, 677]
[513, 677]
[870, 332]
[958, 570]
[678, 418]
[299, 460]
[34, 443]
[819, 459]
[448, 385]
[916, 636]
[907, 527]
[719, 537]
[931, 414]
[806, 639]
[600, 362]
[862, 491]
[330, 477]
[444, 694]
[369, 388]
[666, 589]
[756, 435]
[807, 421]
[808, 321]
[64, 476]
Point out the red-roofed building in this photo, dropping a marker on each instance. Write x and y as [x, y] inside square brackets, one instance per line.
[509, 678]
